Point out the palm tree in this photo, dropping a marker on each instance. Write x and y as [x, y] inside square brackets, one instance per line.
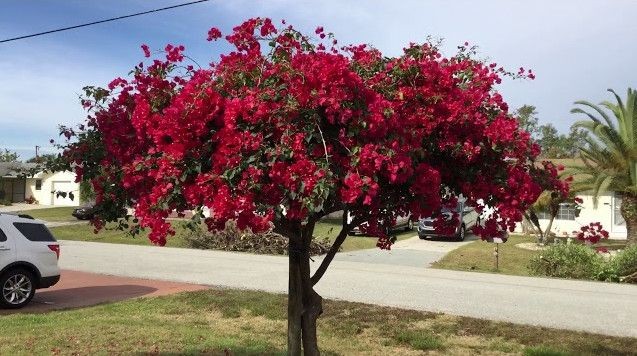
[610, 154]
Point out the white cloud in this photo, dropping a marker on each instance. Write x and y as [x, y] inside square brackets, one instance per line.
[42, 90]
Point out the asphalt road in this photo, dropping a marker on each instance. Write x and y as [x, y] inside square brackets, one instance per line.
[577, 305]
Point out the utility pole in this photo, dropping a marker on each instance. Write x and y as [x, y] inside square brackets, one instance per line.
[37, 157]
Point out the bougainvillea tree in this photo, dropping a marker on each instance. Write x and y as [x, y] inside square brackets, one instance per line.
[288, 128]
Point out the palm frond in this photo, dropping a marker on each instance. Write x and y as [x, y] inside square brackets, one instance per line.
[609, 155]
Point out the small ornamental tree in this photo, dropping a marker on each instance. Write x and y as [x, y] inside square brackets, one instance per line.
[284, 130]
[556, 192]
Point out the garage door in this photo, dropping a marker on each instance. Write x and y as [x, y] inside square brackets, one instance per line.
[66, 187]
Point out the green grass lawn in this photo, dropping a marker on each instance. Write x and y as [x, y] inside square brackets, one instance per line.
[222, 322]
[330, 228]
[84, 232]
[479, 256]
[52, 214]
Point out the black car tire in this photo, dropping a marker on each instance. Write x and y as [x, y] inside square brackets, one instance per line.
[9, 278]
[422, 237]
[460, 236]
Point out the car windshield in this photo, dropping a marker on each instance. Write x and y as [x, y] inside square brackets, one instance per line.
[447, 209]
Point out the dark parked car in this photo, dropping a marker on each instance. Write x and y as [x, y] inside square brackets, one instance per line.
[85, 212]
[468, 219]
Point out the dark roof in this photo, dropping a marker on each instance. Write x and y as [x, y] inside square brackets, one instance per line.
[13, 169]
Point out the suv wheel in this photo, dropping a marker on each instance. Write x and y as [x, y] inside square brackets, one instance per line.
[18, 288]
[461, 233]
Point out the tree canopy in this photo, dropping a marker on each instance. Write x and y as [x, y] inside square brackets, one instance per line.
[552, 143]
[287, 128]
[296, 129]
[8, 156]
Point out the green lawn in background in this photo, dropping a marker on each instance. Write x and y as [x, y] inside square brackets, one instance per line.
[240, 322]
[52, 214]
[84, 232]
[332, 227]
[479, 256]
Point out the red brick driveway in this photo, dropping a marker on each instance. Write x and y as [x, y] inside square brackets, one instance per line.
[81, 289]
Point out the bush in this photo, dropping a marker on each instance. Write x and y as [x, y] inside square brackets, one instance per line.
[625, 264]
[568, 261]
[233, 239]
[581, 262]
[5, 201]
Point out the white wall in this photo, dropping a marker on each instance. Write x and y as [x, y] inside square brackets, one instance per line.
[603, 214]
[62, 181]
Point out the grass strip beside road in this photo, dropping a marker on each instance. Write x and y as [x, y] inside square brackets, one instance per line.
[85, 232]
[330, 228]
[52, 214]
[479, 256]
[247, 322]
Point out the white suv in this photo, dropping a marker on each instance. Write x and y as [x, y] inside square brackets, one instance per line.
[28, 259]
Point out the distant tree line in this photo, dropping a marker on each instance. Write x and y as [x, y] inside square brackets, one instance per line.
[7, 155]
[553, 143]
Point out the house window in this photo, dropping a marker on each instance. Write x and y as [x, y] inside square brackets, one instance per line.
[567, 212]
[38, 184]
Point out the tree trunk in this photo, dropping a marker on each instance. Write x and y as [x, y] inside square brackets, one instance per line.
[547, 232]
[295, 305]
[531, 216]
[628, 209]
[304, 304]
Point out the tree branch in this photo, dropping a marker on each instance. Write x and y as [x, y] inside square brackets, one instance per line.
[531, 216]
[336, 245]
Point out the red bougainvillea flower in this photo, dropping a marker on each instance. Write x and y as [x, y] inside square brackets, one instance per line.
[214, 34]
[591, 233]
[146, 50]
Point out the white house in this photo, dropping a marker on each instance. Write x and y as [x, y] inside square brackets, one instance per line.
[16, 188]
[569, 219]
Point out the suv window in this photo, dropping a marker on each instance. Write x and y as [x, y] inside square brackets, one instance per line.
[34, 232]
[3, 237]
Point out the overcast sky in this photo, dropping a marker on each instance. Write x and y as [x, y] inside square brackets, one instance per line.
[577, 48]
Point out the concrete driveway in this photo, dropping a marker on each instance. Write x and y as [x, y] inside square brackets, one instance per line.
[81, 289]
[412, 252]
[22, 207]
